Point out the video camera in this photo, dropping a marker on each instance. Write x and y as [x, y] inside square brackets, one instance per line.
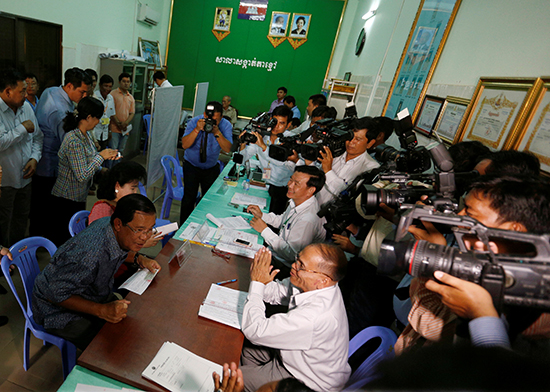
[518, 275]
[288, 144]
[263, 123]
[331, 133]
[412, 158]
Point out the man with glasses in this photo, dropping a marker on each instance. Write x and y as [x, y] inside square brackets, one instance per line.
[73, 296]
[309, 342]
[299, 225]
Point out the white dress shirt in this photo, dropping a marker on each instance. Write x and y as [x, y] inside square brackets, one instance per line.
[101, 130]
[299, 129]
[166, 83]
[343, 173]
[17, 146]
[299, 226]
[312, 336]
[280, 171]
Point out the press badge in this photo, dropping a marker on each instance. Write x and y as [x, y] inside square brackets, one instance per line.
[105, 121]
[266, 175]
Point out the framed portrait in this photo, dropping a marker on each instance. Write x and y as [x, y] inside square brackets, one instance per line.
[279, 24]
[429, 112]
[222, 19]
[422, 42]
[426, 40]
[450, 118]
[300, 25]
[150, 51]
[498, 111]
[535, 136]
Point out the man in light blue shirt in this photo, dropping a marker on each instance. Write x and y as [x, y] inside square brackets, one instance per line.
[290, 102]
[54, 104]
[20, 151]
[205, 136]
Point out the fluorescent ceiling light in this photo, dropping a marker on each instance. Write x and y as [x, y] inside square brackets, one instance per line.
[369, 15]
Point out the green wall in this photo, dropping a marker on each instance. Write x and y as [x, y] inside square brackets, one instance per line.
[194, 52]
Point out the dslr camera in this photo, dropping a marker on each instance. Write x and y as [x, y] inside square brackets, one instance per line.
[209, 121]
[263, 123]
[518, 275]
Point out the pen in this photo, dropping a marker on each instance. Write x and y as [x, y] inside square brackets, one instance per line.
[226, 281]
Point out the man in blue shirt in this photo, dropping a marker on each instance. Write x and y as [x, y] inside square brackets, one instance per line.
[205, 136]
[290, 102]
[20, 151]
[54, 104]
[73, 296]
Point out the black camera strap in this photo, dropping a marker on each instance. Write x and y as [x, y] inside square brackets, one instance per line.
[204, 145]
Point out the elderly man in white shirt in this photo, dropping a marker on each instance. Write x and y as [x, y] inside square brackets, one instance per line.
[342, 170]
[309, 342]
[299, 225]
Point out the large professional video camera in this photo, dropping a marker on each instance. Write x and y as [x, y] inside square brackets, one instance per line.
[518, 275]
[263, 123]
[412, 158]
[332, 134]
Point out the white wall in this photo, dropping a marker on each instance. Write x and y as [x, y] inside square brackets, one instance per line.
[488, 38]
[94, 26]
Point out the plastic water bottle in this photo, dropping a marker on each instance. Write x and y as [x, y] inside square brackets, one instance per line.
[246, 185]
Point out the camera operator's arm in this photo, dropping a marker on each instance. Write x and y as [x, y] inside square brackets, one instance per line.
[431, 234]
[471, 301]
[191, 134]
[221, 139]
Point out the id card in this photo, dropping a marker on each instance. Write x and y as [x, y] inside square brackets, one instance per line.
[266, 175]
[105, 120]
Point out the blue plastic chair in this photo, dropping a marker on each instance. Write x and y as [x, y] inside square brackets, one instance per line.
[221, 165]
[147, 121]
[171, 168]
[24, 258]
[78, 222]
[366, 372]
[158, 222]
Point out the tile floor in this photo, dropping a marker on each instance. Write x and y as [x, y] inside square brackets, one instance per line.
[45, 372]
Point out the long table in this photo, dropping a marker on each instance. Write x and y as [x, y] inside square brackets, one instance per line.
[167, 311]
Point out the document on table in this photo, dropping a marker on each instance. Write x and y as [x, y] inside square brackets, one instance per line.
[93, 388]
[138, 282]
[179, 370]
[245, 200]
[232, 222]
[199, 233]
[224, 305]
[228, 243]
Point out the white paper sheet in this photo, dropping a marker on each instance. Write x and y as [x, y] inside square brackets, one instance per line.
[167, 229]
[232, 222]
[245, 200]
[224, 305]
[138, 282]
[179, 370]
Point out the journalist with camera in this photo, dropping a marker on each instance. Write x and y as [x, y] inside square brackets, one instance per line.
[205, 136]
[276, 173]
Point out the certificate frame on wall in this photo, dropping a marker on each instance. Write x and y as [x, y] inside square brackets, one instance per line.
[428, 114]
[535, 136]
[427, 37]
[451, 119]
[498, 111]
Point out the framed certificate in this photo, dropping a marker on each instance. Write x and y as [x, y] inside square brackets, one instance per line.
[498, 111]
[429, 112]
[535, 137]
[450, 118]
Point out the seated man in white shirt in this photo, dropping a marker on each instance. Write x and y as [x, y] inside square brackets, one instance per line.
[299, 226]
[278, 173]
[310, 342]
[342, 170]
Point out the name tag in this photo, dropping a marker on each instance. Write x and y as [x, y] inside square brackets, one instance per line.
[266, 175]
[105, 120]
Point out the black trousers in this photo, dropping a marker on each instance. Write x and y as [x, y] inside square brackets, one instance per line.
[65, 209]
[278, 199]
[192, 178]
[42, 209]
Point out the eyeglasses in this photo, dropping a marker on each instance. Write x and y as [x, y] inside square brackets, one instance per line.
[299, 266]
[141, 232]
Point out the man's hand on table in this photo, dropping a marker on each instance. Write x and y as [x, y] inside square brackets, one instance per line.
[115, 311]
[258, 224]
[146, 262]
[261, 269]
[231, 381]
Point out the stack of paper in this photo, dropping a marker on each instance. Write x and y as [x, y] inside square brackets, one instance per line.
[224, 305]
[199, 233]
[245, 199]
[138, 282]
[238, 243]
[178, 369]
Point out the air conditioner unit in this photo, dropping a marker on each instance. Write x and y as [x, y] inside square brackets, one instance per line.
[148, 15]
